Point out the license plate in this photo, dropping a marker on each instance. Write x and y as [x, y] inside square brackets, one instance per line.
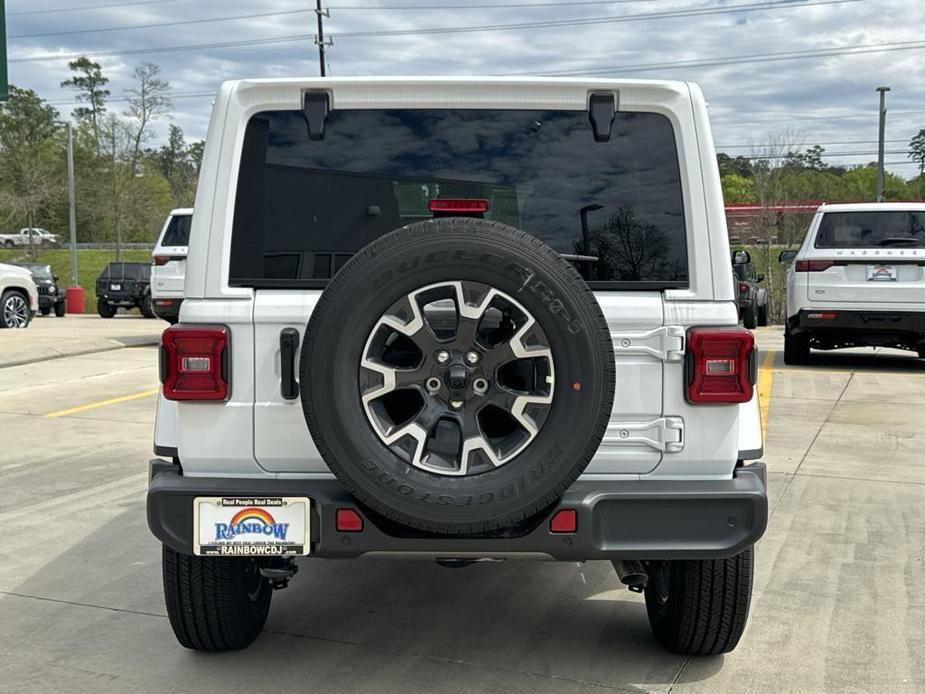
[881, 273]
[251, 526]
[115, 287]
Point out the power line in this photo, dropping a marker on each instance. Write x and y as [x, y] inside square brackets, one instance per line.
[768, 5]
[824, 156]
[500, 5]
[58, 10]
[821, 144]
[750, 58]
[161, 25]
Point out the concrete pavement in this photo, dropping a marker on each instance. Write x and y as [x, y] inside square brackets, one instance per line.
[48, 337]
[838, 603]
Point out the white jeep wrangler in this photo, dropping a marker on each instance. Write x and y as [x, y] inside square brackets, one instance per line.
[458, 319]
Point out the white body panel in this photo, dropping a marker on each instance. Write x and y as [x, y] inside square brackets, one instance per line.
[167, 280]
[653, 430]
[846, 287]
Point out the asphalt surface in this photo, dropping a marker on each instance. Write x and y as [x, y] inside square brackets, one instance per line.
[839, 599]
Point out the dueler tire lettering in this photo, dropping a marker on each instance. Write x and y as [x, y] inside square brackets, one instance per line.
[457, 250]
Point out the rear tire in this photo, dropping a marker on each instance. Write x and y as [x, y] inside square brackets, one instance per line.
[750, 317]
[700, 607]
[763, 315]
[44, 310]
[60, 309]
[147, 307]
[796, 348]
[105, 309]
[215, 603]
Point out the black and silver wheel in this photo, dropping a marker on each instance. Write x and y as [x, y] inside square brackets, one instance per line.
[470, 386]
[14, 310]
[700, 607]
[457, 378]
[215, 603]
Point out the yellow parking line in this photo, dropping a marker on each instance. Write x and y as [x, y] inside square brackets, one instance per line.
[103, 403]
[765, 379]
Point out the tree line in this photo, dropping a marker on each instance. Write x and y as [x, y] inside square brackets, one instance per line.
[124, 187]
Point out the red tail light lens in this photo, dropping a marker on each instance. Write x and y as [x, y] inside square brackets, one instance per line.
[813, 265]
[721, 365]
[457, 205]
[564, 521]
[346, 520]
[160, 260]
[743, 288]
[194, 363]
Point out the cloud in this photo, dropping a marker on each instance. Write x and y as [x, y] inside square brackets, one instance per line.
[827, 99]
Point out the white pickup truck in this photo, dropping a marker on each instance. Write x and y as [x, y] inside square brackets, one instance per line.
[21, 238]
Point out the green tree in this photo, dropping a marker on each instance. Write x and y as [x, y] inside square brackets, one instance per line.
[31, 157]
[90, 84]
[176, 163]
[737, 188]
[917, 150]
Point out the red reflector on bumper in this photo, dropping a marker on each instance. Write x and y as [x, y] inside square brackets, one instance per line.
[564, 521]
[821, 316]
[346, 520]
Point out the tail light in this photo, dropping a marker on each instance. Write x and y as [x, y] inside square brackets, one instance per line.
[160, 260]
[194, 363]
[457, 205]
[721, 365]
[743, 288]
[813, 265]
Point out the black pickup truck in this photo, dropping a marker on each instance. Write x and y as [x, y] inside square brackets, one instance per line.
[127, 285]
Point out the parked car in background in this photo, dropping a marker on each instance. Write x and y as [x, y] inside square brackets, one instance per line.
[51, 296]
[858, 280]
[40, 237]
[19, 298]
[751, 297]
[125, 285]
[168, 264]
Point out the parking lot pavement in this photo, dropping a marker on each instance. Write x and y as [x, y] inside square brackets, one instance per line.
[838, 603]
[48, 337]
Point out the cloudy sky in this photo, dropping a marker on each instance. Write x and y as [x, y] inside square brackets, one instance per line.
[740, 51]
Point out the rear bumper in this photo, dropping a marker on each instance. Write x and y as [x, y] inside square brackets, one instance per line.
[168, 309]
[877, 327]
[616, 520]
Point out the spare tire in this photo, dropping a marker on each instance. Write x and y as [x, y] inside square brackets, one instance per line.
[457, 375]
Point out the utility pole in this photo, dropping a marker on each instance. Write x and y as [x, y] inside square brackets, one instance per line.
[72, 212]
[880, 164]
[319, 37]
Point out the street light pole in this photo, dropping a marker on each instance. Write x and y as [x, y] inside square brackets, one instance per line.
[72, 211]
[880, 164]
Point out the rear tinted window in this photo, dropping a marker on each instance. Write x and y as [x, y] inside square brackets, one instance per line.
[304, 207]
[128, 271]
[871, 230]
[177, 233]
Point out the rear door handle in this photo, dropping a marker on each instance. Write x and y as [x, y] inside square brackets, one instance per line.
[288, 344]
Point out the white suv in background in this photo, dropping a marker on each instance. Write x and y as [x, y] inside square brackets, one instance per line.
[858, 280]
[168, 258]
[19, 297]
[418, 323]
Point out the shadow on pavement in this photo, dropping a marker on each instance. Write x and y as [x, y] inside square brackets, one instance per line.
[366, 625]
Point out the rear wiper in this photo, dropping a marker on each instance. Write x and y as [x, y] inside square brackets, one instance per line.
[899, 241]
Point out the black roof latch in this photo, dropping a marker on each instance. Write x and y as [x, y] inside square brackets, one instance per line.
[316, 106]
[602, 109]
